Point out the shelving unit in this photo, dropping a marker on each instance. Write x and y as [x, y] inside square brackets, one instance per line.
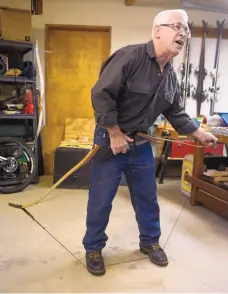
[13, 80]
[17, 116]
[20, 47]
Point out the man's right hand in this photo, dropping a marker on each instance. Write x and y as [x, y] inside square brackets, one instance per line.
[118, 140]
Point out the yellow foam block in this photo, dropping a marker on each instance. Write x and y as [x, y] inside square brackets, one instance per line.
[81, 129]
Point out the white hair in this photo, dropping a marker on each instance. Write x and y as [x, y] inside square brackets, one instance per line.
[163, 17]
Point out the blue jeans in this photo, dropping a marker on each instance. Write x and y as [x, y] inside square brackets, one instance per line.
[138, 167]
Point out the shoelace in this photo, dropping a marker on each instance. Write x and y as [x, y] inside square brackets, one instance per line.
[95, 255]
[156, 247]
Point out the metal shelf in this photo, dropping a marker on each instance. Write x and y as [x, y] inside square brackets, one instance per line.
[11, 47]
[14, 80]
[21, 47]
[17, 116]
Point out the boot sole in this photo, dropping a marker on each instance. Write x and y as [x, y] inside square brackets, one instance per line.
[162, 263]
[96, 273]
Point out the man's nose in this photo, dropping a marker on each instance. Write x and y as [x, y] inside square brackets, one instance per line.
[182, 33]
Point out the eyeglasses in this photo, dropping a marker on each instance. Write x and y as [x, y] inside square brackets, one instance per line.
[178, 27]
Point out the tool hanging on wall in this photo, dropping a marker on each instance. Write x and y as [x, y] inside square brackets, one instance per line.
[214, 89]
[36, 7]
[186, 70]
[199, 94]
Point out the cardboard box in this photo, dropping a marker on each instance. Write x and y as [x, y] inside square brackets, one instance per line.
[15, 25]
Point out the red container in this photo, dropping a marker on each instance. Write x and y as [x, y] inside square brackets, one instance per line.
[179, 150]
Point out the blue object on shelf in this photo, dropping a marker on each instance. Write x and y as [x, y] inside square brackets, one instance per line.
[224, 116]
[196, 121]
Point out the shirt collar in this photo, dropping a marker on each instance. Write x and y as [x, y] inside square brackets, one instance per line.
[151, 52]
[150, 49]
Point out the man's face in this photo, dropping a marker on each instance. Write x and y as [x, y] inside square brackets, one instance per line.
[173, 34]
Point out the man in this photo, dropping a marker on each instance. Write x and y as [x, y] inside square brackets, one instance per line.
[136, 84]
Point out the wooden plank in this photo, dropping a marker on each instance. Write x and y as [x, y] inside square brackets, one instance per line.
[222, 139]
[197, 170]
[129, 2]
[212, 189]
[197, 31]
[79, 28]
[14, 9]
[213, 203]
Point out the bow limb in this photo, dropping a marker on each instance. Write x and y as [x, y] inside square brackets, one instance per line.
[85, 160]
[41, 96]
[150, 138]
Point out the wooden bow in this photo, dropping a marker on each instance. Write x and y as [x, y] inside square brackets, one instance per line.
[41, 95]
[86, 159]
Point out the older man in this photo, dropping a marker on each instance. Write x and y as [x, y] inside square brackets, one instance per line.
[136, 84]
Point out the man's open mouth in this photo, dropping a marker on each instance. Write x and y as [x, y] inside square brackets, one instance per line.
[179, 42]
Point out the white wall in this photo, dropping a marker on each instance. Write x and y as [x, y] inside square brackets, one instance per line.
[129, 25]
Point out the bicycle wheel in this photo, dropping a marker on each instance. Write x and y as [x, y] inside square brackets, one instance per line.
[17, 165]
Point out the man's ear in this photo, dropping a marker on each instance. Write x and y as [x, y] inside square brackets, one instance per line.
[157, 32]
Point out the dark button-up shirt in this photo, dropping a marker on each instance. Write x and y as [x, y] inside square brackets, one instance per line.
[132, 92]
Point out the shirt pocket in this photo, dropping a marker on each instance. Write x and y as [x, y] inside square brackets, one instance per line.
[169, 96]
[138, 87]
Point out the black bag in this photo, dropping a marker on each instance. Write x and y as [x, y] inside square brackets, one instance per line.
[28, 70]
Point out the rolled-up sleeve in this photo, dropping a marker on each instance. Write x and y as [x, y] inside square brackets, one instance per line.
[178, 118]
[105, 92]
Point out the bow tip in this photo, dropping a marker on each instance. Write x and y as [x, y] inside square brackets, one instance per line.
[19, 206]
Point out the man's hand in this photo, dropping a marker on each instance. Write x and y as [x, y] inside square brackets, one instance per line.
[119, 141]
[206, 138]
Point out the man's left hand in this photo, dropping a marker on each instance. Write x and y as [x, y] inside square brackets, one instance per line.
[205, 138]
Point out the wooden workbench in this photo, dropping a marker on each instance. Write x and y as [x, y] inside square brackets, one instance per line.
[203, 192]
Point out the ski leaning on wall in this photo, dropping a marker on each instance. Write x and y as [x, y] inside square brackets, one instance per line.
[214, 88]
[199, 94]
[186, 70]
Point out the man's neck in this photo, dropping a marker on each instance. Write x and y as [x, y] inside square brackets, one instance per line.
[162, 61]
[162, 57]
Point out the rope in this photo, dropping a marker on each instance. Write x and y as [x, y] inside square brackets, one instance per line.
[85, 160]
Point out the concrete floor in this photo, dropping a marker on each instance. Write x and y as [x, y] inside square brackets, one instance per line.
[31, 261]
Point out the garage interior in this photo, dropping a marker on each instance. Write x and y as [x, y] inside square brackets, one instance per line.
[67, 42]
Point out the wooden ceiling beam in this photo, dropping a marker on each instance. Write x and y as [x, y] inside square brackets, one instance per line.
[129, 2]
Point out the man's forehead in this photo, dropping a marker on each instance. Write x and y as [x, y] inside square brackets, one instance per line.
[177, 18]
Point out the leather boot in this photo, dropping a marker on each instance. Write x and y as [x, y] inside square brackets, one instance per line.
[95, 263]
[156, 254]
